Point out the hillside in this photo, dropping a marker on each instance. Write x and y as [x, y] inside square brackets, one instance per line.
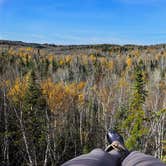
[58, 101]
[76, 49]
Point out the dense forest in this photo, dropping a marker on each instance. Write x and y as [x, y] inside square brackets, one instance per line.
[57, 102]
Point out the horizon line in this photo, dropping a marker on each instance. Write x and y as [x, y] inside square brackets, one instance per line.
[47, 43]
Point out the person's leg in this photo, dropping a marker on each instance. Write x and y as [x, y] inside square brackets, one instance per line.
[136, 158]
[97, 157]
[112, 156]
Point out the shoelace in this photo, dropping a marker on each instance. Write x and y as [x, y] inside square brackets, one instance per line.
[116, 145]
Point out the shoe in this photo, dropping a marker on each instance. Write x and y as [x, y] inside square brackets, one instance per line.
[112, 136]
[116, 143]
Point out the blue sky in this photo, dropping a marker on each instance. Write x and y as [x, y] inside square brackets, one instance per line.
[84, 21]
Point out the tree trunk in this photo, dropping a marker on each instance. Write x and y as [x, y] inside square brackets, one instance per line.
[6, 141]
[20, 118]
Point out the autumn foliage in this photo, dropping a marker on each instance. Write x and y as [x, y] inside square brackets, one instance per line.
[66, 103]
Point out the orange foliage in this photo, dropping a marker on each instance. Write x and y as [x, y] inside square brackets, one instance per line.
[29, 49]
[50, 58]
[84, 59]
[68, 59]
[129, 62]
[11, 52]
[81, 98]
[61, 62]
[60, 96]
[122, 83]
[110, 65]
[102, 60]
[17, 92]
[135, 53]
[92, 58]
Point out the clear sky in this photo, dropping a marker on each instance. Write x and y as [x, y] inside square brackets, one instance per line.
[84, 21]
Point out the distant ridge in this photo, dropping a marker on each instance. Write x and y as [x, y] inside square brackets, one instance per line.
[97, 49]
[11, 42]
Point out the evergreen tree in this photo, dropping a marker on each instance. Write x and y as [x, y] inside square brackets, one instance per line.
[35, 118]
[43, 67]
[54, 65]
[135, 120]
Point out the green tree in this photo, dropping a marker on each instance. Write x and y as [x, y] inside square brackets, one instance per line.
[35, 108]
[54, 65]
[134, 122]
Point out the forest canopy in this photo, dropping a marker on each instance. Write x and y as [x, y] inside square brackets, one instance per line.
[57, 102]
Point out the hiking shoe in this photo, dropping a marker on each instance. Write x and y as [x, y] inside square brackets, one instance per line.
[116, 143]
[112, 136]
